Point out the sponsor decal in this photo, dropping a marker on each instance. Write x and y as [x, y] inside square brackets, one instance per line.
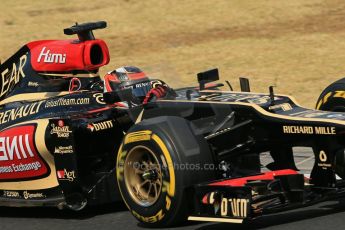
[49, 57]
[33, 84]
[319, 130]
[66, 175]
[99, 98]
[255, 99]
[227, 207]
[94, 127]
[10, 77]
[28, 195]
[61, 131]
[336, 115]
[149, 219]
[156, 83]
[258, 100]
[323, 158]
[67, 102]
[283, 106]
[63, 149]
[234, 207]
[19, 158]
[138, 85]
[61, 123]
[310, 114]
[11, 194]
[20, 112]
[74, 84]
[211, 199]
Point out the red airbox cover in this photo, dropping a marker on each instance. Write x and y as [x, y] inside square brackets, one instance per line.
[68, 55]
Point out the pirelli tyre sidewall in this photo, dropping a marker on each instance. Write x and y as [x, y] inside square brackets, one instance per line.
[333, 97]
[172, 142]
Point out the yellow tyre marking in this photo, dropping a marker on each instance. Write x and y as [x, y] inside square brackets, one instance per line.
[118, 171]
[323, 100]
[339, 94]
[171, 189]
[138, 136]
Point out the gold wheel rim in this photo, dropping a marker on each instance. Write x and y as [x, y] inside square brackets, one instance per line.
[143, 176]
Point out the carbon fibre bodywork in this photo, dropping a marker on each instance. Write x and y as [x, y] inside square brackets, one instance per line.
[239, 126]
[59, 137]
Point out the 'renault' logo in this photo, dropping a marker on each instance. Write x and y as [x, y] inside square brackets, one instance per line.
[49, 57]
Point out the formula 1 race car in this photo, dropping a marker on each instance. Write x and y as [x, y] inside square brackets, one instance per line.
[65, 143]
[201, 156]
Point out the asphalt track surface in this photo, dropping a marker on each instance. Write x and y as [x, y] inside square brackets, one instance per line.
[329, 215]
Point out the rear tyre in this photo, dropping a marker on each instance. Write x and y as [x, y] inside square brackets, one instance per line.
[333, 99]
[158, 163]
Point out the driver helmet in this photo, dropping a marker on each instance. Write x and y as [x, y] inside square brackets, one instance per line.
[128, 77]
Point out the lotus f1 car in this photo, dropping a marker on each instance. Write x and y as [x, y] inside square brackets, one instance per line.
[65, 143]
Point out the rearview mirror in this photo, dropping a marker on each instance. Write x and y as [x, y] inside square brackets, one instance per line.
[207, 77]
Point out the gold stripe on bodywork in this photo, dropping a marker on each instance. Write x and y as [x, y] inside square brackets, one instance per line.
[213, 219]
[32, 96]
[66, 75]
[140, 117]
[44, 183]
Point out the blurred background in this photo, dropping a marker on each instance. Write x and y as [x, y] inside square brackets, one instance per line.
[296, 45]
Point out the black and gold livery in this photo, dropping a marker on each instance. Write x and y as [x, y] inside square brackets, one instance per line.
[191, 155]
[58, 136]
[232, 129]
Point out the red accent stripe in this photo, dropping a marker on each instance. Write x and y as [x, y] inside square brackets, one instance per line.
[205, 199]
[136, 76]
[120, 104]
[117, 104]
[238, 182]
[98, 110]
[107, 79]
[208, 85]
